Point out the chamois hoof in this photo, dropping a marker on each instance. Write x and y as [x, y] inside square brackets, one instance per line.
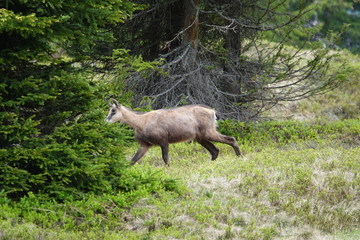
[215, 156]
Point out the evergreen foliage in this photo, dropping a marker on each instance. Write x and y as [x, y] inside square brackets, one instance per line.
[52, 135]
[334, 15]
[326, 19]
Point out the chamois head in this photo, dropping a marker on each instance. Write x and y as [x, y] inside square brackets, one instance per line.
[115, 114]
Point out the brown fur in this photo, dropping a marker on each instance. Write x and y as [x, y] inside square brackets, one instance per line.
[165, 126]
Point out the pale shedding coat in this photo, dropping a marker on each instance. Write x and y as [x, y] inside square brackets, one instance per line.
[165, 126]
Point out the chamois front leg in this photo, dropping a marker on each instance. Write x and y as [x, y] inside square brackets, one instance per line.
[141, 151]
[165, 153]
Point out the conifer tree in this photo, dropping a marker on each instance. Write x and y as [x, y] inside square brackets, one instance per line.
[52, 139]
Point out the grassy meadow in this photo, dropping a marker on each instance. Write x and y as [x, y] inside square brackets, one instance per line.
[281, 188]
[298, 178]
[304, 190]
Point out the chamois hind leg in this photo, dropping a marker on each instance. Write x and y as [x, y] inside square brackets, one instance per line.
[141, 151]
[214, 151]
[227, 140]
[165, 153]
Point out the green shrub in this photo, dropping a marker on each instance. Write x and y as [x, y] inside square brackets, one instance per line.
[273, 133]
[57, 145]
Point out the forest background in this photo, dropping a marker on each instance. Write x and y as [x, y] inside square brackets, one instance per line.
[261, 64]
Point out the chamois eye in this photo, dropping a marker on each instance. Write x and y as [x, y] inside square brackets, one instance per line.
[113, 110]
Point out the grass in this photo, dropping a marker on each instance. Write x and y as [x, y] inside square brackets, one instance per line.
[299, 189]
[299, 193]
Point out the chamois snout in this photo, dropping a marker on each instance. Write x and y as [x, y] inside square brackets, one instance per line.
[109, 118]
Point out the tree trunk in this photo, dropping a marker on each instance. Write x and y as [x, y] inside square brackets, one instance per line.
[191, 23]
[233, 36]
[233, 45]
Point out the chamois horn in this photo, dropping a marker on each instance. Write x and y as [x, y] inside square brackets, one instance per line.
[107, 101]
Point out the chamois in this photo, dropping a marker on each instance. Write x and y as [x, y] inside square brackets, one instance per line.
[164, 126]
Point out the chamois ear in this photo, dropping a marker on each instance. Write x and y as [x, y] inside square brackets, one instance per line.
[115, 102]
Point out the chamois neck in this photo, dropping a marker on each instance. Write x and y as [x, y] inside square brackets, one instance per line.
[132, 118]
